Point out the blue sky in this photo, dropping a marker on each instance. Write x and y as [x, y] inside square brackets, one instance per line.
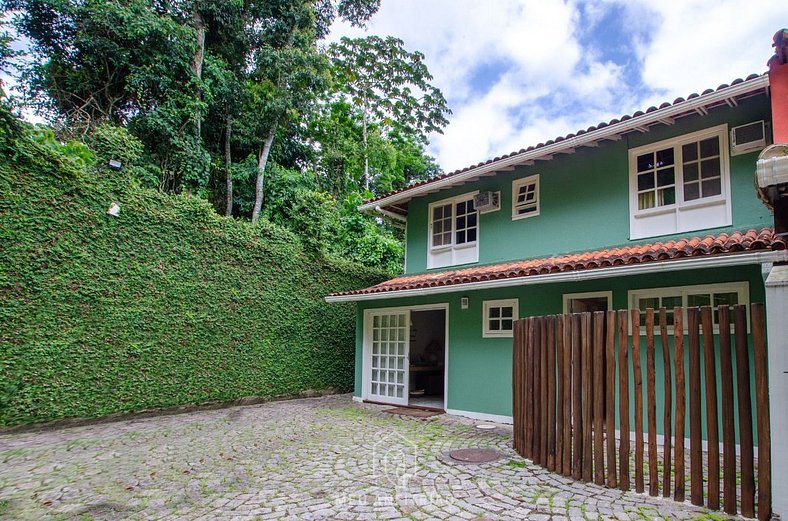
[520, 72]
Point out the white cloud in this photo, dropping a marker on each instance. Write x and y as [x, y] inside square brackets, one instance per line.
[551, 76]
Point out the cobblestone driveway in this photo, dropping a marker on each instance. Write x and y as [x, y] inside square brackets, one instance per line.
[322, 458]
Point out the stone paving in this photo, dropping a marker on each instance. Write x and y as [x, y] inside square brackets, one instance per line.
[320, 458]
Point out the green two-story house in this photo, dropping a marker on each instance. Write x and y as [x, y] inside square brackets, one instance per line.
[654, 209]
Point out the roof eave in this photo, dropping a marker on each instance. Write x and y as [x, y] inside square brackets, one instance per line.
[585, 139]
[702, 262]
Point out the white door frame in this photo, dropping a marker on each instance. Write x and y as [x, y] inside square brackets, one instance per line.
[367, 348]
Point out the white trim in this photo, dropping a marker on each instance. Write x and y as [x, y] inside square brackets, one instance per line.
[494, 418]
[436, 254]
[358, 399]
[588, 294]
[655, 221]
[366, 353]
[712, 261]
[585, 139]
[742, 289]
[516, 185]
[513, 303]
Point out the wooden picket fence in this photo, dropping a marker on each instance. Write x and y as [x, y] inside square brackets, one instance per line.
[566, 406]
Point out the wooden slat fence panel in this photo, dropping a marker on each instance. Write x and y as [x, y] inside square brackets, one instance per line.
[667, 403]
[572, 386]
[712, 427]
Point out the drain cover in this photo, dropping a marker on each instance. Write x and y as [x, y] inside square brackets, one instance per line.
[475, 455]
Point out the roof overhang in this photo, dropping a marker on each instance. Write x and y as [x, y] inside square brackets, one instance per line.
[665, 266]
[640, 123]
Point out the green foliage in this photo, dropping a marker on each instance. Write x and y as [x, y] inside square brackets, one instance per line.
[108, 141]
[166, 305]
[390, 84]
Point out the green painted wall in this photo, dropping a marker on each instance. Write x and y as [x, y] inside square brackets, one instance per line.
[479, 371]
[584, 197]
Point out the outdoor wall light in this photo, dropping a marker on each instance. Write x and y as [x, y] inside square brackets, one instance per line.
[114, 164]
[113, 210]
[464, 302]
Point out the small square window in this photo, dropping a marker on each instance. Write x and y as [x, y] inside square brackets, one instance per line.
[525, 197]
[499, 317]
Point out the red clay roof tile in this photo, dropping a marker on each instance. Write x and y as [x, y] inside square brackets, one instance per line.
[723, 243]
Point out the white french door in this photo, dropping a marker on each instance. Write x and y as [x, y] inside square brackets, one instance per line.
[387, 344]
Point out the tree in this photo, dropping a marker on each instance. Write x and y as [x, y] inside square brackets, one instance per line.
[391, 87]
[289, 71]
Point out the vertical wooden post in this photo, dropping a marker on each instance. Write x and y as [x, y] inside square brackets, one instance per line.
[712, 423]
[728, 424]
[638, 374]
[668, 404]
[536, 441]
[696, 447]
[550, 323]
[567, 451]
[543, 391]
[577, 399]
[587, 363]
[527, 384]
[559, 401]
[651, 405]
[681, 400]
[599, 397]
[517, 381]
[610, 409]
[762, 409]
[623, 393]
[746, 455]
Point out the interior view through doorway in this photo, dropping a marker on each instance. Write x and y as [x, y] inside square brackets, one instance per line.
[427, 369]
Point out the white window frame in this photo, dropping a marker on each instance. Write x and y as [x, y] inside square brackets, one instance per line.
[590, 294]
[487, 305]
[468, 251]
[516, 185]
[741, 288]
[639, 218]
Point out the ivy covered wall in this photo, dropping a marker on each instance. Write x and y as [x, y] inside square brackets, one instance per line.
[167, 304]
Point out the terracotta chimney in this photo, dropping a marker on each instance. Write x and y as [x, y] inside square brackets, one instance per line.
[778, 81]
[772, 167]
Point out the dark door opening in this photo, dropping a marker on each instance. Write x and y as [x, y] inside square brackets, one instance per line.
[427, 358]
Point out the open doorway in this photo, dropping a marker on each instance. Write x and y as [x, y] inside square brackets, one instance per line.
[427, 358]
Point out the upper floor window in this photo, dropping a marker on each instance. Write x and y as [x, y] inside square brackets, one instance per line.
[525, 197]
[454, 232]
[680, 184]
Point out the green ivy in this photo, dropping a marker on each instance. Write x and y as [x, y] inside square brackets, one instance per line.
[165, 305]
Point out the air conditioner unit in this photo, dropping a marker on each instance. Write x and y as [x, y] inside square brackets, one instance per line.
[485, 202]
[749, 137]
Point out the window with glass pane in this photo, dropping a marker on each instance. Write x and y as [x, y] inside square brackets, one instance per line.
[702, 169]
[387, 377]
[499, 317]
[668, 302]
[441, 225]
[465, 222]
[526, 199]
[656, 179]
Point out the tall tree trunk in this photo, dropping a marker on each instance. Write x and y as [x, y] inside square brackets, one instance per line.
[366, 149]
[261, 162]
[199, 55]
[228, 161]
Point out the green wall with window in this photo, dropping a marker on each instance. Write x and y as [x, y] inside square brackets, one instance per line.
[585, 197]
[480, 369]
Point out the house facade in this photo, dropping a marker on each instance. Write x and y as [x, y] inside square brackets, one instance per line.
[655, 209]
